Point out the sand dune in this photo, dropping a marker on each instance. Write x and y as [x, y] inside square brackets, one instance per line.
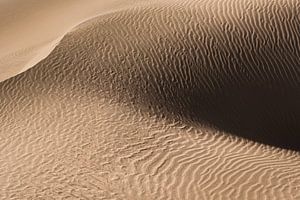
[31, 29]
[171, 100]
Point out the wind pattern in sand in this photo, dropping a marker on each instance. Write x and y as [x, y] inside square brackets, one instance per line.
[170, 100]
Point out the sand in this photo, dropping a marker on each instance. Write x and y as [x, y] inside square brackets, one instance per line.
[30, 29]
[151, 100]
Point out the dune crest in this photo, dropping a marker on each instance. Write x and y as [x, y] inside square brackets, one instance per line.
[31, 29]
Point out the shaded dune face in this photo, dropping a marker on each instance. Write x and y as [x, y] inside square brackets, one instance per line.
[233, 68]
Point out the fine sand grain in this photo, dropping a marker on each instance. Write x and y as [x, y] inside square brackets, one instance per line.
[195, 99]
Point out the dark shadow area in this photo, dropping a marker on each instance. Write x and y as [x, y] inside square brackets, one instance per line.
[260, 114]
[265, 114]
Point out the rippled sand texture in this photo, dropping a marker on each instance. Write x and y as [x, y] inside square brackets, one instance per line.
[154, 102]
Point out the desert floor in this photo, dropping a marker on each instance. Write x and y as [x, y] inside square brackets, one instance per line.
[159, 99]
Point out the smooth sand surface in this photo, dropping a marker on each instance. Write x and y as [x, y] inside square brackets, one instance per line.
[164, 100]
[30, 29]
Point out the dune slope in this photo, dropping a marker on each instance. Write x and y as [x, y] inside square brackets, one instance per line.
[154, 102]
[30, 29]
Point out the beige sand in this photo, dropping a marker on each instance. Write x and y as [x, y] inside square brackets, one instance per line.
[154, 102]
[30, 29]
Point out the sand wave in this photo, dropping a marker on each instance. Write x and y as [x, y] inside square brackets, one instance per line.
[30, 30]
